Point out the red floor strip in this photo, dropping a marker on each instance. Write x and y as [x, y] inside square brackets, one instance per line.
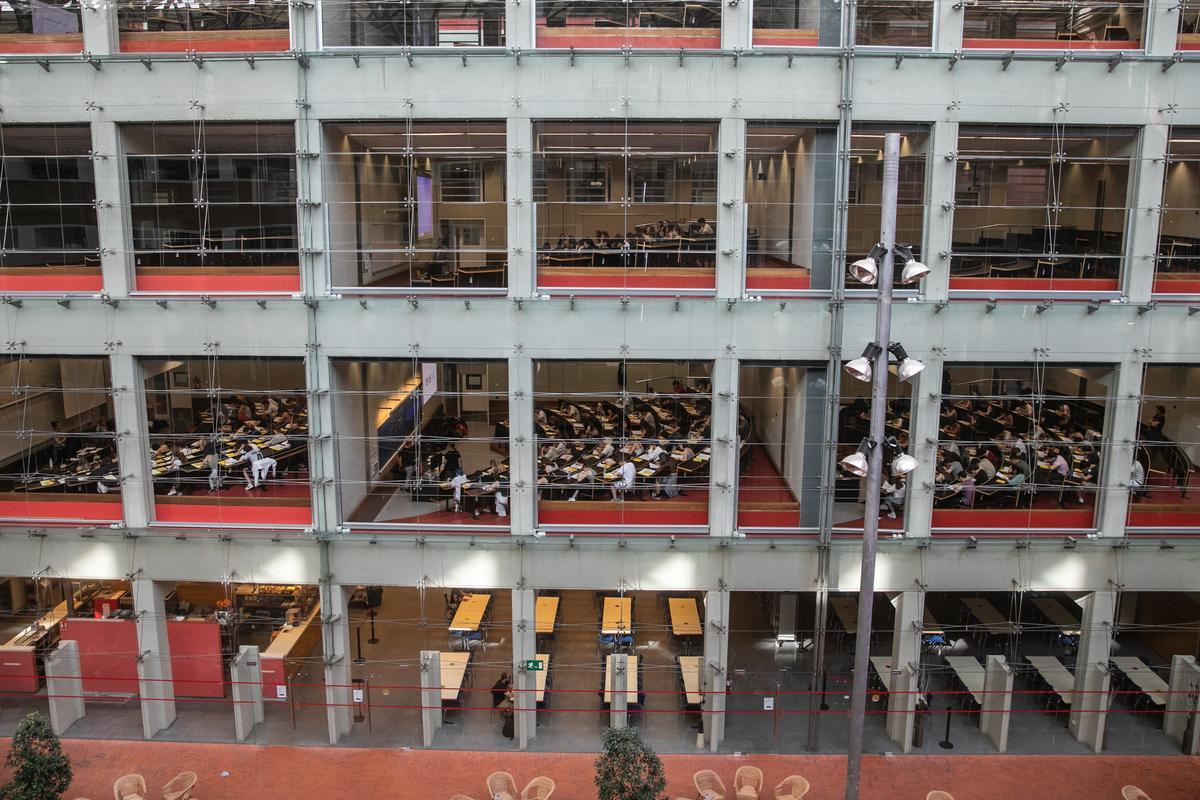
[51, 283]
[1036, 284]
[631, 281]
[1048, 44]
[244, 284]
[221, 514]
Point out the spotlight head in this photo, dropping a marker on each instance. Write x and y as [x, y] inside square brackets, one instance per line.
[856, 463]
[866, 270]
[902, 463]
[860, 368]
[907, 367]
[913, 270]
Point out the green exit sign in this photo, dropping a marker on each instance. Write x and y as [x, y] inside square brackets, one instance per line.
[534, 665]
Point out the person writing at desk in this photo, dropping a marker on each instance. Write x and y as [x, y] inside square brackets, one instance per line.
[1059, 470]
[625, 477]
[703, 228]
[604, 449]
[655, 452]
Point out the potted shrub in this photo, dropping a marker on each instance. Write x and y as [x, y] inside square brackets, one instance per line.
[40, 769]
[629, 769]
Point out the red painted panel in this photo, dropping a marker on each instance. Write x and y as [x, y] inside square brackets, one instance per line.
[1163, 519]
[196, 668]
[91, 282]
[203, 284]
[274, 674]
[41, 43]
[1047, 44]
[89, 510]
[768, 519]
[798, 282]
[601, 39]
[765, 38]
[228, 514]
[265, 42]
[108, 650]
[18, 670]
[1037, 284]
[1171, 286]
[633, 280]
[1188, 46]
[617, 516]
[1016, 519]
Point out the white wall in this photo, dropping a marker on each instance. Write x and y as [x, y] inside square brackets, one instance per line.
[774, 396]
[1183, 416]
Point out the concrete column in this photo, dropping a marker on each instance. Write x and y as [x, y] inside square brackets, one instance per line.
[1145, 203]
[335, 636]
[997, 701]
[1160, 28]
[618, 664]
[906, 662]
[731, 219]
[815, 387]
[310, 197]
[518, 24]
[1089, 709]
[1121, 432]
[305, 33]
[1182, 704]
[245, 674]
[947, 28]
[736, 23]
[522, 269]
[939, 220]
[715, 667]
[99, 27]
[522, 468]
[154, 656]
[323, 443]
[64, 686]
[723, 467]
[923, 428]
[133, 445]
[1091, 667]
[524, 648]
[431, 695]
[112, 212]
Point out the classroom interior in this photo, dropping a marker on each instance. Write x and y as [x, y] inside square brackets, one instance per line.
[1040, 208]
[58, 448]
[1021, 446]
[1168, 449]
[428, 23]
[407, 428]
[228, 440]
[417, 205]
[625, 205]
[772, 686]
[1177, 268]
[212, 206]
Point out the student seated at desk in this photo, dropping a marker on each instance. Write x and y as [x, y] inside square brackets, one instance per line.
[893, 497]
[624, 482]
[456, 486]
[585, 475]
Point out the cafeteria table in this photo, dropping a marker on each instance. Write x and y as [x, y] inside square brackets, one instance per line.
[618, 616]
[453, 670]
[631, 686]
[1147, 680]
[1060, 679]
[970, 674]
[469, 617]
[545, 615]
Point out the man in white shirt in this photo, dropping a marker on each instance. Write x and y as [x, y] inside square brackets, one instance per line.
[260, 468]
[1137, 479]
[625, 479]
[248, 457]
[456, 484]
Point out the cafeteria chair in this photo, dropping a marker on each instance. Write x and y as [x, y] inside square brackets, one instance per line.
[938, 794]
[1133, 793]
[180, 787]
[461, 797]
[540, 788]
[747, 783]
[793, 787]
[501, 786]
[709, 785]
[128, 786]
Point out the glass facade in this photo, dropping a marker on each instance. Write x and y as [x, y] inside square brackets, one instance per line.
[208, 26]
[1177, 268]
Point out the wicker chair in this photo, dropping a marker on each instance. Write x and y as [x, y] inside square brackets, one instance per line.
[501, 786]
[461, 797]
[747, 783]
[938, 794]
[793, 787]
[708, 785]
[540, 788]
[180, 787]
[1133, 793]
[128, 786]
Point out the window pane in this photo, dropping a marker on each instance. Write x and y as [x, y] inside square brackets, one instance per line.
[896, 23]
[797, 23]
[660, 24]
[31, 26]
[417, 205]
[243, 26]
[1178, 265]
[424, 23]
[1164, 480]
[1056, 24]
[58, 452]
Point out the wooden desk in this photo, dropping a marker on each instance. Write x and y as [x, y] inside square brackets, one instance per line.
[631, 686]
[689, 671]
[992, 620]
[1059, 678]
[470, 613]
[545, 614]
[1062, 619]
[453, 670]
[539, 677]
[846, 610]
[883, 668]
[618, 616]
[285, 655]
[970, 673]
[685, 617]
[1146, 679]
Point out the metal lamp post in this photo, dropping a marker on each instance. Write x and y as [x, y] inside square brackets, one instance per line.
[879, 382]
